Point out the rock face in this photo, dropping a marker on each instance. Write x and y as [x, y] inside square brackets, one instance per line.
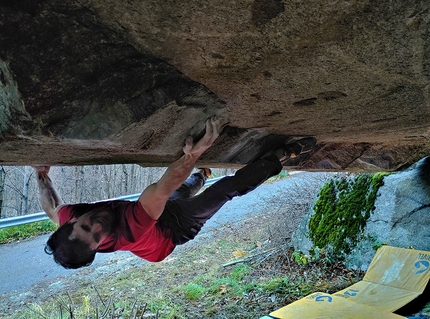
[93, 81]
[402, 214]
[401, 217]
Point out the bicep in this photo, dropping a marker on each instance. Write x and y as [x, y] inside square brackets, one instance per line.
[153, 200]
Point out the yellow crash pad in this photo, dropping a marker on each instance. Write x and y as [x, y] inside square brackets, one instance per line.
[395, 277]
[324, 306]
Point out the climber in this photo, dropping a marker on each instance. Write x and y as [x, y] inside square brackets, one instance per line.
[168, 213]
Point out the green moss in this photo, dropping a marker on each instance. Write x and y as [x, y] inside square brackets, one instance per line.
[342, 209]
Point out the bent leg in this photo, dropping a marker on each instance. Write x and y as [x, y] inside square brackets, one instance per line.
[185, 217]
[190, 187]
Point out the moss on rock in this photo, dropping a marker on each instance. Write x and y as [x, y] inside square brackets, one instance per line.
[342, 209]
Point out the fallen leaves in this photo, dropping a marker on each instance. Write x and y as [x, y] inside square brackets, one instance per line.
[239, 253]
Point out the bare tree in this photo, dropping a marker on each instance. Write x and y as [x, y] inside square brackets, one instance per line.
[24, 195]
[75, 184]
[16, 193]
[125, 180]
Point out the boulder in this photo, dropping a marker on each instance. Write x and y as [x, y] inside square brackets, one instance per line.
[401, 217]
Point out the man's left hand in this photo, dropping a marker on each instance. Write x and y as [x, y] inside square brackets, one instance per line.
[213, 126]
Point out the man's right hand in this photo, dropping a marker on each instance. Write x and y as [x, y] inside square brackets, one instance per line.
[41, 169]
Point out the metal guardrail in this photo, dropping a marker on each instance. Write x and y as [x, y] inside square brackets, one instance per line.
[41, 216]
[21, 220]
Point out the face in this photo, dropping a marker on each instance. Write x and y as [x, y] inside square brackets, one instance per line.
[92, 228]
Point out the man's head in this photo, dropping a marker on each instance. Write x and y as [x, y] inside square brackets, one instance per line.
[75, 243]
[70, 254]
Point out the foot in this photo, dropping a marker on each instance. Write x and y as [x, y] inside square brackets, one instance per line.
[206, 172]
[293, 153]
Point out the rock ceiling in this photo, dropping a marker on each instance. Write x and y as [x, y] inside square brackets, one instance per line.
[100, 82]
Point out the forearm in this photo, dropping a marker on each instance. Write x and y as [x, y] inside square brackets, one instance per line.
[49, 198]
[176, 174]
[155, 196]
[178, 171]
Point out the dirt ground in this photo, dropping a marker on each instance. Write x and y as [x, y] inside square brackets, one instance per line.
[263, 232]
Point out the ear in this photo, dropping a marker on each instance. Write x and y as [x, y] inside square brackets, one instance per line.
[73, 220]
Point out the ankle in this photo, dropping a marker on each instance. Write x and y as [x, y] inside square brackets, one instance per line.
[206, 172]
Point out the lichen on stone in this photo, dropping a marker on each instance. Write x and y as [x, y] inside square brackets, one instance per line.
[343, 206]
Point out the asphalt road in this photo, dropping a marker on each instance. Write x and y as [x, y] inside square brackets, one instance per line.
[24, 264]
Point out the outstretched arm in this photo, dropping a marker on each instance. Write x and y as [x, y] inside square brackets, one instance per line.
[49, 198]
[155, 196]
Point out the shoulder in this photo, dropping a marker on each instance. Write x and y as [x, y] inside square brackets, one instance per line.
[137, 219]
[63, 212]
[137, 210]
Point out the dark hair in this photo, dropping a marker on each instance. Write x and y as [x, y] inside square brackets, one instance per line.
[71, 254]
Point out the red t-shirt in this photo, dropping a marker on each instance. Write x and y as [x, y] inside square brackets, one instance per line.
[147, 240]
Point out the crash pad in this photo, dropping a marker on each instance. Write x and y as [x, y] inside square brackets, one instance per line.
[325, 306]
[395, 277]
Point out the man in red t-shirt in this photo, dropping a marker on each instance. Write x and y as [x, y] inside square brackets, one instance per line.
[167, 213]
